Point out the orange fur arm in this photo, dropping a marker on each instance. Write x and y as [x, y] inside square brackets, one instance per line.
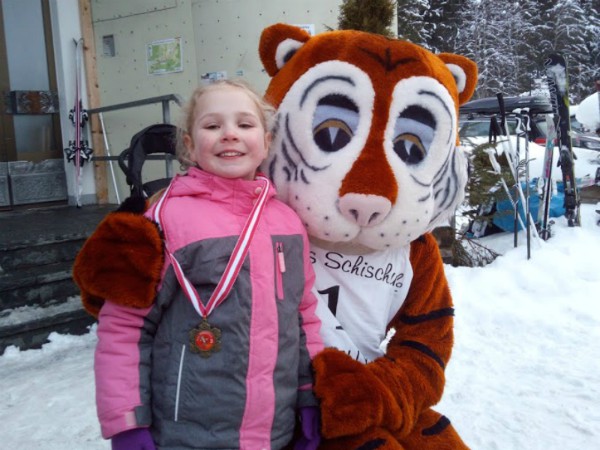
[394, 390]
[417, 355]
[120, 261]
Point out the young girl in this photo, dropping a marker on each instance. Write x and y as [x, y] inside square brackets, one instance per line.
[222, 359]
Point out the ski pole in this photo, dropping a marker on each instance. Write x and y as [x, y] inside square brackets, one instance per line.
[526, 125]
[517, 179]
[510, 155]
[526, 198]
[110, 163]
[522, 131]
[498, 170]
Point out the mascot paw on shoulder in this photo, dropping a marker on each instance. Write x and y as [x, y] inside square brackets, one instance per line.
[365, 150]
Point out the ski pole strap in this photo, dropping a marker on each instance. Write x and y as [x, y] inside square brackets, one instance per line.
[236, 259]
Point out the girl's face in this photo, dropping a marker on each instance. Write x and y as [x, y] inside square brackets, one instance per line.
[227, 138]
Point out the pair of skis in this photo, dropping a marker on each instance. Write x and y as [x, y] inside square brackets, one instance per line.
[558, 84]
[78, 151]
[546, 185]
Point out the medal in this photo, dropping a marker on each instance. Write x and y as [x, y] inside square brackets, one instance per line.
[205, 339]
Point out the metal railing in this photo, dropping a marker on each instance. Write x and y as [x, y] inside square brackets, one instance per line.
[165, 100]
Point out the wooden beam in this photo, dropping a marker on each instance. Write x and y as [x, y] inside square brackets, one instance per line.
[93, 91]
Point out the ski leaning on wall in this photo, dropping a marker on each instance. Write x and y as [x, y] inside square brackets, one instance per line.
[78, 151]
[558, 82]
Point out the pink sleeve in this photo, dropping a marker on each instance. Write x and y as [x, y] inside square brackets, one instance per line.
[117, 366]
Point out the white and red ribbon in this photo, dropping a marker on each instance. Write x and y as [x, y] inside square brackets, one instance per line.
[235, 261]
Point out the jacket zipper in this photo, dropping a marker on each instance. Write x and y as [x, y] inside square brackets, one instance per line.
[280, 269]
[179, 383]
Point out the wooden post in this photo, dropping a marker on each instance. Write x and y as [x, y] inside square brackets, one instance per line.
[93, 91]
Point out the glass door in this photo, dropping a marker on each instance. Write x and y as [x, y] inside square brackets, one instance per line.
[31, 155]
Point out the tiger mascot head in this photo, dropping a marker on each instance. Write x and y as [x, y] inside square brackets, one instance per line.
[365, 142]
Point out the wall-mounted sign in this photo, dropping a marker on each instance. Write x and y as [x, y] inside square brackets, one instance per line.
[164, 57]
[309, 27]
[211, 77]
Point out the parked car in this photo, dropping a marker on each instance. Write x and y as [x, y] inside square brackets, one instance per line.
[480, 127]
[475, 117]
[487, 106]
[581, 137]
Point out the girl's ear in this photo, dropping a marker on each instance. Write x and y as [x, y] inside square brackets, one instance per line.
[187, 142]
[268, 140]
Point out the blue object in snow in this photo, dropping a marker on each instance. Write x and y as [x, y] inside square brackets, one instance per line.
[504, 216]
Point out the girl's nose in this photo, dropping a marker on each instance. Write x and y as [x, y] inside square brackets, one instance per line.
[229, 132]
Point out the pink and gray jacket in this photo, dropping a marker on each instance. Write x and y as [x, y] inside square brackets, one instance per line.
[246, 395]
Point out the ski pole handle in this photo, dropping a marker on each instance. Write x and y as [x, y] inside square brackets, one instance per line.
[502, 110]
[500, 98]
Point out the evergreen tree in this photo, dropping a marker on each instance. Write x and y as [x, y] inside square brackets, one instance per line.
[373, 16]
[508, 40]
[441, 21]
[411, 25]
[589, 62]
[572, 27]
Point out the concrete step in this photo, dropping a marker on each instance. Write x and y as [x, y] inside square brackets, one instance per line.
[28, 327]
[37, 292]
[37, 286]
[22, 256]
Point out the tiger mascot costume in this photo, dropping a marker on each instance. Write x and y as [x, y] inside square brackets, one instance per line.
[365, 151]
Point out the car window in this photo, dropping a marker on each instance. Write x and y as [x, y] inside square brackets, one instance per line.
[577, 126]
[475, 129]
[479, 128]
[543, 127]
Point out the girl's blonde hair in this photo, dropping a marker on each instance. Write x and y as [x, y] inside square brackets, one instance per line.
[265, 110]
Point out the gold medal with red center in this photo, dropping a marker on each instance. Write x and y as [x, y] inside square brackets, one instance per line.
[205, 339]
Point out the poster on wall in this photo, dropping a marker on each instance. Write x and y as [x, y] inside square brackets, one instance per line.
[211, 77]
[164, 57]
[308, 27]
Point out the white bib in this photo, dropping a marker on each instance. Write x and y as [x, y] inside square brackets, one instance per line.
[358, 296]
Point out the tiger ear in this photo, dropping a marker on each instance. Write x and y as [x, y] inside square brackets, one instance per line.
[278, 43]
[464, 72]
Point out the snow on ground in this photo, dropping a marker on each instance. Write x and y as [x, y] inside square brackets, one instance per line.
[525, 372]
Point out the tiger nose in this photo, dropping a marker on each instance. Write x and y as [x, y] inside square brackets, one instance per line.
[366, 210]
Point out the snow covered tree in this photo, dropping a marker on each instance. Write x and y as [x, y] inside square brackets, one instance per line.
[494, 34]
[571, 27]
[508, 40]
[373, 16]
[411, 25]
[442, 24]
[588, 63]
